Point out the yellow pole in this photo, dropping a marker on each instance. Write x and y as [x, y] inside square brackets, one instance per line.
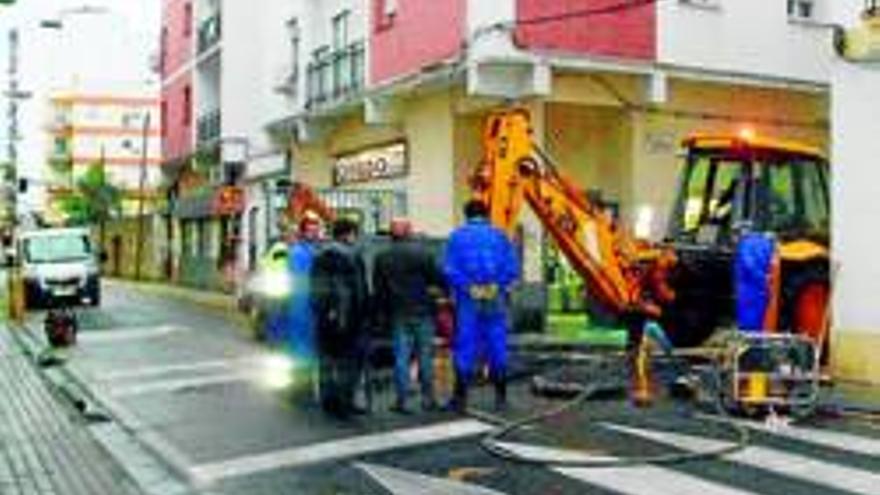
[641, 379]
[16, 295]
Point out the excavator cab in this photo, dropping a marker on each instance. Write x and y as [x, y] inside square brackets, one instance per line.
[733, 185]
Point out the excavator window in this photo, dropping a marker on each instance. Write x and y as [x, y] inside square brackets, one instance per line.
[793, 197]
[712, 197]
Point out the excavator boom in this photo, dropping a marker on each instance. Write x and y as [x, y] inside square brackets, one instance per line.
[627, 277]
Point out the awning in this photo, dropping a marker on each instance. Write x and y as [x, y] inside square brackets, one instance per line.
[218, 201]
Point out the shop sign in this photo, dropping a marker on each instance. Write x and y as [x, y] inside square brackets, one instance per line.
[377, 163]
[228, 200]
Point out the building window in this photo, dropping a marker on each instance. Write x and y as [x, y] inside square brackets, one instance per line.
[384, 12]
[163, 50]
[187, 106]
[710, 4]
[802, 9]
[187, 19]
[60, 146]
[164, 118]
[340, 30]
[130, 120]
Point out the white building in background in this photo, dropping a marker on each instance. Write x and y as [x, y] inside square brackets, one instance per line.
[116, 130]
[220, 60]
[239, 49]
[70, 45]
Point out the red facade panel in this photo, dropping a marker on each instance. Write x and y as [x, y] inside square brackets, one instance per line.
[613, 28]
[177, 131]
[418, 33]
[177, 35]
[177, 49]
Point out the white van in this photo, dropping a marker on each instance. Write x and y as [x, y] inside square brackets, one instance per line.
[59, 266]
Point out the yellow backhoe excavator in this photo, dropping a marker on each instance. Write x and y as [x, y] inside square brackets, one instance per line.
[730, 185]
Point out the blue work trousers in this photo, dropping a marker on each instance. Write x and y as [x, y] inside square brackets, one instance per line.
[275, 321]
[480, 335]
[408, 335]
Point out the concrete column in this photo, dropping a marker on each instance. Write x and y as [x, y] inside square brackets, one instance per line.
[429, 132]
[855, 186]
[533, 231]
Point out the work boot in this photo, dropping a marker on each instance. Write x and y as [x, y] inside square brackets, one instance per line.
[429, 404]
[400, 407]
[500, 394]
[458, 404]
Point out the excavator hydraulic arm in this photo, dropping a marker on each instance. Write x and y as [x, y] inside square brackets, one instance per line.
[627, 276]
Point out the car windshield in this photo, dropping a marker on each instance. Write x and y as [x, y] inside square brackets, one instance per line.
[56, 249]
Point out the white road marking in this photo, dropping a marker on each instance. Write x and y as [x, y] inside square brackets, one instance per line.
[400, 482]
[634, 480]
[343, 448]
[149, 371]
[127, 333]
[182, 383]
[834, 439]
[791, 465]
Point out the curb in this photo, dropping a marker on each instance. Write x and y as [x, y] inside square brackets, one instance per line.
[89, 404]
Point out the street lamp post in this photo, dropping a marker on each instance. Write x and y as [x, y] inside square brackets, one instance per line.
[15, 292]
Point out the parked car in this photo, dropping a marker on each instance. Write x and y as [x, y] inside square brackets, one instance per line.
[59, 266]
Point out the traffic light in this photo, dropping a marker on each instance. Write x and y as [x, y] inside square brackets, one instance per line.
[22, 183]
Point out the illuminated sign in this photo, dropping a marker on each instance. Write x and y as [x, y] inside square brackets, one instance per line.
[384, 162]
[228, 200]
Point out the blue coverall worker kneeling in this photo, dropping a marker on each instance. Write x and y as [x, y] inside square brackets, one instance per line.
[480, 266]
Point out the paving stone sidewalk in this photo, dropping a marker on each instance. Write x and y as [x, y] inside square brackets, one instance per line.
[46, 447]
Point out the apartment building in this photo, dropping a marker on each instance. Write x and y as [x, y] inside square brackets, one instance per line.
[219, 90]
[612, 86]
[117, 131]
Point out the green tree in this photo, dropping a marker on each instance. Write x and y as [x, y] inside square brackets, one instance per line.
[94, 200]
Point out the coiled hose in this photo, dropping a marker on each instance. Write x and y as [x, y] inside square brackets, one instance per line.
[492, 442]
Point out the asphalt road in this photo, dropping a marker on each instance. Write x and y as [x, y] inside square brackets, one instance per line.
[192, 383]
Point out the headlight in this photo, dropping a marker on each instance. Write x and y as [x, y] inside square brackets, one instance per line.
[277, 371]
[274, 284]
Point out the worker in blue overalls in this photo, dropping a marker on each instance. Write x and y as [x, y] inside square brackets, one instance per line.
[300, 325]
[480, 266]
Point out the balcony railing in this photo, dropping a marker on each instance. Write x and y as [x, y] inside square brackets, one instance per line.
[209, 33]
[208, 127]
[335, 76]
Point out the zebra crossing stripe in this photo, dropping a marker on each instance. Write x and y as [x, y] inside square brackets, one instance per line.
[632, 480]
[824, 438]
[401, 482]
[334, 450]
[791, 465]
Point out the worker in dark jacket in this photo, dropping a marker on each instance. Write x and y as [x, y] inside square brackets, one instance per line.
[480, 266]
[339, 301]
[406, 279]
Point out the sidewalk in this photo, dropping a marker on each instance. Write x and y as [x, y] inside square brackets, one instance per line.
[45, 447]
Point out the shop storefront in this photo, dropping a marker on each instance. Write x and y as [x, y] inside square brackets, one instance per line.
[210, 233]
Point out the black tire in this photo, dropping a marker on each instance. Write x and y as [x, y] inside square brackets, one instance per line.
[95, 297]
[689, 323]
